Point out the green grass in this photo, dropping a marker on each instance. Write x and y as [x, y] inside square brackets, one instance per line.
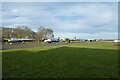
[83, 60]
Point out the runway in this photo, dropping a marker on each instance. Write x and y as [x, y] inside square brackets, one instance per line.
[28, 45]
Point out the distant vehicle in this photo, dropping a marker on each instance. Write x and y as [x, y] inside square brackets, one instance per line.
[52, 40]
[48, 40]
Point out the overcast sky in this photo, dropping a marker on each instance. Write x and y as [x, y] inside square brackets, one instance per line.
[59, 0]
[67, 19]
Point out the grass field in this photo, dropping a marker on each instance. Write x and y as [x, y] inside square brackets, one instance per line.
[82, 60]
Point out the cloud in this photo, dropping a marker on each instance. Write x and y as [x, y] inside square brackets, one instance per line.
[70, 18]
[60, 0]
[102, 35]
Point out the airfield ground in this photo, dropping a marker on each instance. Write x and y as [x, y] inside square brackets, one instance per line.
[79, 60]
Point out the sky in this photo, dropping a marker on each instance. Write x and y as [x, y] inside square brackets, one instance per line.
[59, 0]
[85, 20]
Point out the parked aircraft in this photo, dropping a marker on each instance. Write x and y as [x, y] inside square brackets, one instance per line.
[19, 40]
[52, 40]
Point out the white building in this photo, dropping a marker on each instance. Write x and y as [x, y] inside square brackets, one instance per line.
[116, 40]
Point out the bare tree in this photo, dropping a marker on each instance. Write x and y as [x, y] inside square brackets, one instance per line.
[18, 32]
[44, 33]
[1, 34]
[26, 32]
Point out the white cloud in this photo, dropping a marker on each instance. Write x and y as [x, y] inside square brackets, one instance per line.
[59, 0]
[102, 35]
[85, 18]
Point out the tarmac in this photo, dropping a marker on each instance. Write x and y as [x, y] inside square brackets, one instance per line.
[28, 45]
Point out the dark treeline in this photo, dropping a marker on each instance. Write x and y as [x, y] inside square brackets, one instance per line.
[25, 32]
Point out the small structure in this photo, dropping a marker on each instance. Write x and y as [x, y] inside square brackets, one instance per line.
[116, 40]
[62, 39]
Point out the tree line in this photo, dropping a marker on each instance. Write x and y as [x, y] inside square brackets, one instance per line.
[25, 32]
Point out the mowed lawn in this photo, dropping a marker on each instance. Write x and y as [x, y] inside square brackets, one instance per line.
[82, 60]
